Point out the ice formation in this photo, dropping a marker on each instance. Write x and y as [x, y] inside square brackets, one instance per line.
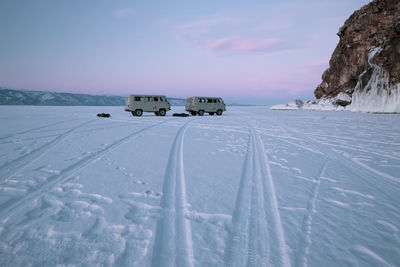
[375, 95]
[293, 105]
[371, 94]
[322, 104]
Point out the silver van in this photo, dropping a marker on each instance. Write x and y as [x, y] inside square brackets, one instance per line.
[137, 104]
[199, 105]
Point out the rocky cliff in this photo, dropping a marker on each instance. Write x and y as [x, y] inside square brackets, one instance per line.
[366, 62]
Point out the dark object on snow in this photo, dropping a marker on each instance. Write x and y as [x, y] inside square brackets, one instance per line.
[104, 115]
[342, 103]
[180, 114]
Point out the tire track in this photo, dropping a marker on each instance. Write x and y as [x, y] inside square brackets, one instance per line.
[173, 241]
[14, 205]
[363, 173]
[17, 165]
[257, 237]
[305, 242]
[34, 129]
[29, 139]
[274, 215]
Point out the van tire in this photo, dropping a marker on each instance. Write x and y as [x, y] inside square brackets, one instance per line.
[156, 113]
[138, 112]
[193, 113]
[162, 112]
[200, 112]
[211, 113]
[219, 112]
[133, 113]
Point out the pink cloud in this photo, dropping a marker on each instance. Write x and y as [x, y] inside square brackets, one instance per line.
[227, 35]
[123, 12]
[241, 44]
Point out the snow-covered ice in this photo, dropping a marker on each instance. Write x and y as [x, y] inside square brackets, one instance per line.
[252, 187]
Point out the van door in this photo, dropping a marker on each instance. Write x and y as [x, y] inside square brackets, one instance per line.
[156, 103]
[215, 105]
[148, 104]
[202, 104]
[136, 102]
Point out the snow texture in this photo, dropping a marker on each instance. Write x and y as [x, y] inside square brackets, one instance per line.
[252, 187]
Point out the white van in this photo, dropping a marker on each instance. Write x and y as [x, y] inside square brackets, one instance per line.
[199, 105]
[137, 104]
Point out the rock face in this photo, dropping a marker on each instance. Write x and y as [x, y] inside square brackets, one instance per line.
[369, 48]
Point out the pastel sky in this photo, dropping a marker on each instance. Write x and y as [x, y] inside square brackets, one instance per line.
[255, 51]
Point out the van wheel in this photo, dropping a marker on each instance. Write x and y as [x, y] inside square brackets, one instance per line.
[201, 112]
[133, 113]
[157, 114]
[219, 112]
[161, 112]
[211, 113]
[138, 112]
[193, 113]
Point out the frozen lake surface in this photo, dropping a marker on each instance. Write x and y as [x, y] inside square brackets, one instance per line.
[253, 187]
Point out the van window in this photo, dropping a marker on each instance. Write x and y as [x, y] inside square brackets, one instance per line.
[209, 100]
[215, 100]
[155, 98]
[148, 98]
[162, 98]
[219, 101]
[202, 100]
[138, 98]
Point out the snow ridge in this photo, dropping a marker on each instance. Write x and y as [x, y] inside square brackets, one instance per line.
[173, 242]
[256, 220]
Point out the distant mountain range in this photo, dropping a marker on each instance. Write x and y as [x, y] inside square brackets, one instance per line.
[44, 98]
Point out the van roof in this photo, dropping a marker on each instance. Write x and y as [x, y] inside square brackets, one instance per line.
[205, 97]
[148, 95]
